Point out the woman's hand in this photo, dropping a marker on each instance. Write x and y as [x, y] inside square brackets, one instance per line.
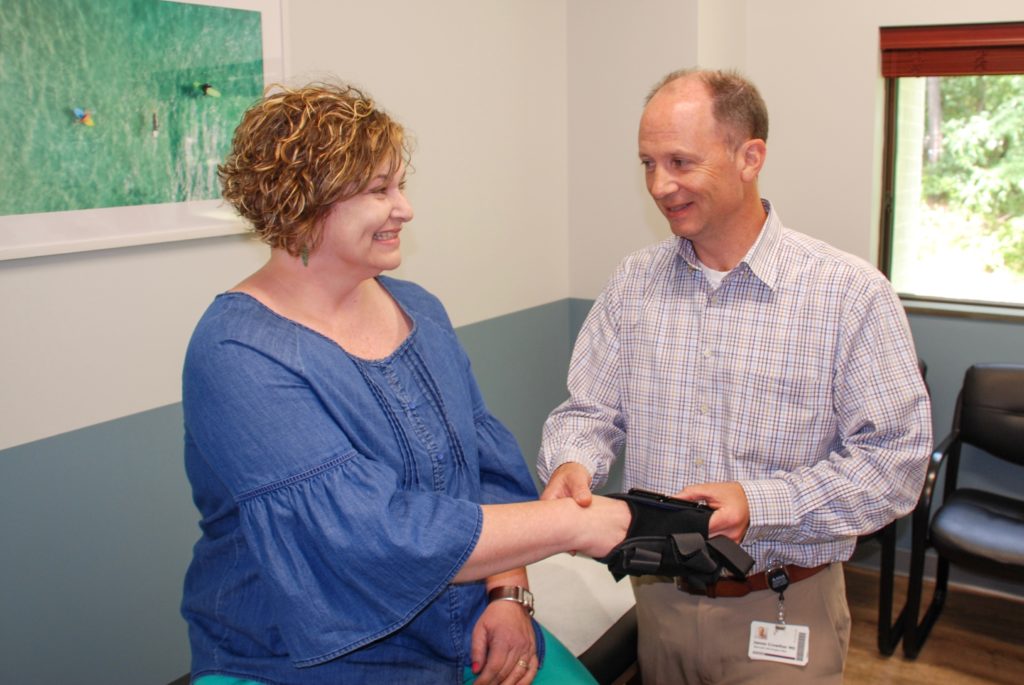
[502, 638]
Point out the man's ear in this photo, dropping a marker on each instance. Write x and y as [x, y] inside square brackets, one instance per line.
[750, 158]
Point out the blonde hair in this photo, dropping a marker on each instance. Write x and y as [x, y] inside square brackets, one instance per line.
[299, 151]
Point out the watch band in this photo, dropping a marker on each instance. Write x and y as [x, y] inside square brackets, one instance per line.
[512, 593]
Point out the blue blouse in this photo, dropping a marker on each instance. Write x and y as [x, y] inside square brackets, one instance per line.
[339, 497]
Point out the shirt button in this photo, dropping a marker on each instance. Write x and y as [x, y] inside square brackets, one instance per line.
[698, 462]
[707, 353]
[703, 409]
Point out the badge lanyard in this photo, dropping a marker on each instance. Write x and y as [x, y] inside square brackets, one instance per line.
[778, 641]
[778, 581]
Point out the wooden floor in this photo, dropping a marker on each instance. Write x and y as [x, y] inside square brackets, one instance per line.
[977, 639]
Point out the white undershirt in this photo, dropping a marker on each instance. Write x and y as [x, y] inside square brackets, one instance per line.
[715, 277]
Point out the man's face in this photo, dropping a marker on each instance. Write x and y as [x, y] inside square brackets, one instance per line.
[692, 172]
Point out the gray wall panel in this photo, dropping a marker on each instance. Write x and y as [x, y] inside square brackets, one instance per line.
[96, 525]
[96, 528]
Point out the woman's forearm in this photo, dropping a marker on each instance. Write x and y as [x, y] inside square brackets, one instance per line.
[515, 535]
[516, 577]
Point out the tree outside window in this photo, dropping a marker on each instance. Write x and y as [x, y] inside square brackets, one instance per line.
[953, 221]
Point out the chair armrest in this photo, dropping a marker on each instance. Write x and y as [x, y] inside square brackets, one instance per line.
[922, 512]
[942, 450]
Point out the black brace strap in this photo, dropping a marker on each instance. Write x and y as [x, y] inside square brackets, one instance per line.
[668, 537]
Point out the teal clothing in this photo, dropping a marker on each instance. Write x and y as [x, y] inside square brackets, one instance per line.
[559, 667]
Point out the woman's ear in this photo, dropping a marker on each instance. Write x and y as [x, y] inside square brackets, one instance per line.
[750, 159]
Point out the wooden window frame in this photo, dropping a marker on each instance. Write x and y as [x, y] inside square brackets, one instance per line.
[939, 50]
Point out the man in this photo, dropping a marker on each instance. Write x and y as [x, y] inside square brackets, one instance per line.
[754, 368]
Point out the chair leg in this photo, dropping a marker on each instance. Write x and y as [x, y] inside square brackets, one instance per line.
[916, 633]
[938, 600]
[915, 582]
[889, 633]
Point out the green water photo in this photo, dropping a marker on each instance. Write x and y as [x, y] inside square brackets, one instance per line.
[120, 102]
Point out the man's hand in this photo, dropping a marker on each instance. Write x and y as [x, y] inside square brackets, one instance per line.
[571, 479]
[732, 511]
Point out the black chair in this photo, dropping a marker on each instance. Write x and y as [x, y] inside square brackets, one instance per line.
[977, 530]
[889, 631]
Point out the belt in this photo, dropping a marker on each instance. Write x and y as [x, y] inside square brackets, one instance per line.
[731, 587]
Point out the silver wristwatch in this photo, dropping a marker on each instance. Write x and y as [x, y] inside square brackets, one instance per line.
[513, 593]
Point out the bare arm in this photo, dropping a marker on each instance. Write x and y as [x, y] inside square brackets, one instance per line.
[519, 534]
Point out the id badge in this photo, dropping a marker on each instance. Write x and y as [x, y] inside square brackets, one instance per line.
[784, 643]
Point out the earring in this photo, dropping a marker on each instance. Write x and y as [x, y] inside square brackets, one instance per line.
[304, 253]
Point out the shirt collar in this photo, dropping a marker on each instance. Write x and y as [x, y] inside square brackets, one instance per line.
[761, 259]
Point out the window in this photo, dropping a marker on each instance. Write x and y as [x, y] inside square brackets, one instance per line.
[953, 209]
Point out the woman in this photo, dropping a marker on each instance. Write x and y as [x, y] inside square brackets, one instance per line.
[359, 503]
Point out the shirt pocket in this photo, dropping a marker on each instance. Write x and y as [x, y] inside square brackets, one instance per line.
[775, 418]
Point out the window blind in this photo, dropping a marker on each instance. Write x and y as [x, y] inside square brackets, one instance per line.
[952, 50]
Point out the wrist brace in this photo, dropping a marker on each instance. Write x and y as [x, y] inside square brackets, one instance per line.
[669, 537]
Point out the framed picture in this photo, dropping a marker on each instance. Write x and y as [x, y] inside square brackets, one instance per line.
[117, 114]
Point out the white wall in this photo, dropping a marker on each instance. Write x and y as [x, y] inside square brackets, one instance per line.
[481, 85]
[617, 52]
[484, 87]
[817, 65]
[721, 33]
[95, 336]
[526, 190]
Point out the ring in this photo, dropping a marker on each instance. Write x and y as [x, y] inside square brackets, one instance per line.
[522, 663]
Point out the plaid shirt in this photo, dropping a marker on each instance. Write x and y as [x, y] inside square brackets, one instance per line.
[796, 377]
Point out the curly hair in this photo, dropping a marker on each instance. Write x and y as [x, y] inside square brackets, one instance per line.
[735, 102]
[299, 151]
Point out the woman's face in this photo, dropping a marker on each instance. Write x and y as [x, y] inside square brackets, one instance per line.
[362, 232]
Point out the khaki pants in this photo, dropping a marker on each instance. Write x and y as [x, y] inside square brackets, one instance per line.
[687, 639]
